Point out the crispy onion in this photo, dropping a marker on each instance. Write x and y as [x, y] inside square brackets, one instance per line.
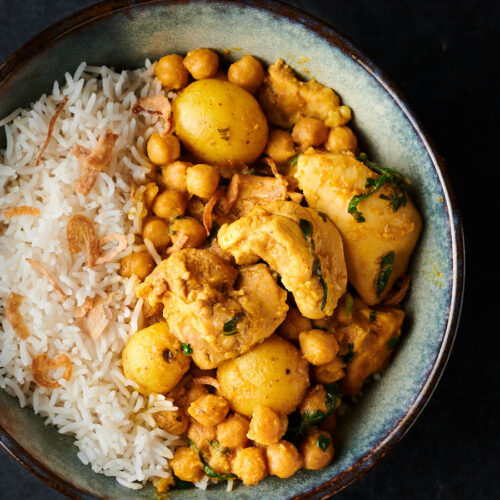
[208, 209]
[156, 105]
[122, 244]
[51, 129]
[14, 301]
[207, 381]
[97, 317]
[23, 210]
[51, 280]
[80, 229]
[179, 243]
[93, 162]
[42, 364]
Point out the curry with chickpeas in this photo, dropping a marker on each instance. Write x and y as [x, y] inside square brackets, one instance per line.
[281, 263]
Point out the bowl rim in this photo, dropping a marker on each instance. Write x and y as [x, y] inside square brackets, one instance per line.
[108, 8]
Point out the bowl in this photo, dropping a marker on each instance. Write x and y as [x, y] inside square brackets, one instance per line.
[123, 34]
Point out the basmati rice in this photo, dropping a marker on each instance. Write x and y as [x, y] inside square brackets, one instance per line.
[113, 424]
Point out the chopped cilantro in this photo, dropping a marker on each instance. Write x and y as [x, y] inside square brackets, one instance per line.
[323, 442]
[386, 266]
[186, 349]
[397, 199]
[306, 228]
[350, 354]
[349, 302]
[230, 324]
[294, 159]
[206, 468]
[373, 316]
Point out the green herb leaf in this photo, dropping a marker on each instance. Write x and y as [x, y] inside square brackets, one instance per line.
[306, 228]
[294, 159]
[386, 266]
[322, 215]
[186, 349]
[398, 181]
[323, 442]
[230, 324]
[332, 395]
[373, 316]
[350, 354]
[349, 302]
[392, 343]
[207, 469]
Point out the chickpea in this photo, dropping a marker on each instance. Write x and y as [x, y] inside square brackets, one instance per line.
[174, 422]
[195, 208]
[171, 72]
[315, 399]
[265, 426]
[232, 432]
[202, 63]
[309, 132]
[283, 459]
[202, 180]
[156, 230]
[318, 346]
[280, 146]
[341, 139]
[219, 459]
[248, 73]
[189, 227]
[138, 263]
[209, 410]
[174, 175]
[250, 465]
[170, 204]
[317, 449]
[201, 435]
[163, 149]
[294, 324]
[187, 465]
[194, 392]
[329, 373]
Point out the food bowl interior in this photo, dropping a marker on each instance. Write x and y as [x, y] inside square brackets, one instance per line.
[124, 39]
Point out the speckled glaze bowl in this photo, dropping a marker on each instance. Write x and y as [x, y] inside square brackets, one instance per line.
[122, 34]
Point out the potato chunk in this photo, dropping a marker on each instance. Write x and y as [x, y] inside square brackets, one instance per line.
[220, 123]
[329, 181]
[153, 358]
[272, 374]
[302, 246]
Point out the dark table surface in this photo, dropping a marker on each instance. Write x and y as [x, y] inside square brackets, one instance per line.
[444, 56]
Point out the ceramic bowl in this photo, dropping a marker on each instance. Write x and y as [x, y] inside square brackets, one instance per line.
[123, 34]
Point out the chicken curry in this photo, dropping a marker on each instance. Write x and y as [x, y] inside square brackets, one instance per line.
[271, 263]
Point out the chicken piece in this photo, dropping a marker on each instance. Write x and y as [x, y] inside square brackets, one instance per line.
[250, 190]
[302, 246]
[221, 313]
[285, 99]
[368, 340]
[377, 251]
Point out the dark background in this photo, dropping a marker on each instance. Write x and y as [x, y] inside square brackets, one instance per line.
[444, 56]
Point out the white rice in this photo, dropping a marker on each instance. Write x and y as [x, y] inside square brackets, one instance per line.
[111, 422]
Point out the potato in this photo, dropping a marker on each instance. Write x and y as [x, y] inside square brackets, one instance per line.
[220, 122]
[272, 374]
[153, 359]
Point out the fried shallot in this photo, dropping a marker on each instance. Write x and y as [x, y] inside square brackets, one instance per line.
[122, 244]
[93, 162]
[80, 229]
[52, 122]
[209, 207]
[51, 280]
[156, 105]
[14, 301]
[97, 318]
[42, 364]
[22, 210]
